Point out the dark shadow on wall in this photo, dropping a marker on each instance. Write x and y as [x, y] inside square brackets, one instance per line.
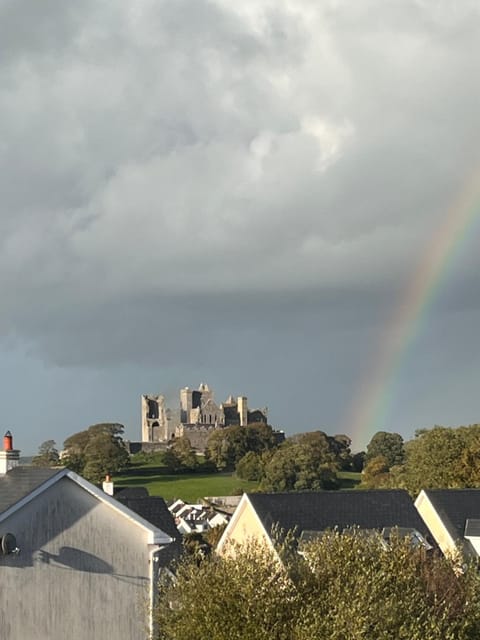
[75, 559]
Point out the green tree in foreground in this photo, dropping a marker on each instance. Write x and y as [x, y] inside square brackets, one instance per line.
[47, 455]
[96, 451]
[348, 586]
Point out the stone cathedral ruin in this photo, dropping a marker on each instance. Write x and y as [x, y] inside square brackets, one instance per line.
[197, 415]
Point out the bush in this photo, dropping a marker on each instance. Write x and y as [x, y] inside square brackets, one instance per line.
[341, 586]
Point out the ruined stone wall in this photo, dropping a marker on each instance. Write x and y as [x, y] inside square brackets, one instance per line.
[198, 435]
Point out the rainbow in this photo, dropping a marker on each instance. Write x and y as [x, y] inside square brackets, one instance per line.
[374, 395]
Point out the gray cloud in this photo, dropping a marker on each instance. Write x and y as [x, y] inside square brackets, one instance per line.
[194, 173]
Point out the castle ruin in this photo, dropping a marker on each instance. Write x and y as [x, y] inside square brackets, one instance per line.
[197, 416]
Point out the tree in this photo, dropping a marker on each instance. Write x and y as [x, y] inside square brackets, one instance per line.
[443, 457]
[97, 451]
[47, 455]
[340, 446]
[341, 586]
[388, 445]
[180, 457]
[250, 467]
[298, 467]
[358, 461]
[246, 597]
[260, 437]
[226, 447]
[375, 474]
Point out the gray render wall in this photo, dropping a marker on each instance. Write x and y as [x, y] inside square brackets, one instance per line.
[82, 573]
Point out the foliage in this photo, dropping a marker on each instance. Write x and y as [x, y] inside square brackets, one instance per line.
[375, 474]
[196, 546]
[47, 455]
[250, 467]
[226, 447]
[443, 457]
[361, 589]
[341, 586]
[96, 451]
[388, 445]
[358, 461]
[246, 597]
[180, 457]
[299, 467]
[213, 535]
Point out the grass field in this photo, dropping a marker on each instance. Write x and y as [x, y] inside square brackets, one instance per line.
[192, 486]
[189, 486]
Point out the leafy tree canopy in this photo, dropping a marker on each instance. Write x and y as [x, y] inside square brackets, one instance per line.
[389, 446]
[443, 457]
[225, 447]
[299, 466]
[47, 455]
[250, 467]
[180, 456]
[96, 451]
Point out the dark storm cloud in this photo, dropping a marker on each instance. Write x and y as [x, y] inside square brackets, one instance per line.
[216, 178]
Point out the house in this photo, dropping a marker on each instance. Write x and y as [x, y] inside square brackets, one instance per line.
[190, 518]
[154, 509]
[76, 563]
[453, 517]
[309, 514]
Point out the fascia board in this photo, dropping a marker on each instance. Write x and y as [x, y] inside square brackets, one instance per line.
[422, 498]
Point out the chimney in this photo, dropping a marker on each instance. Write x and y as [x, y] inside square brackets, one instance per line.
[9, 457]
[108, 485]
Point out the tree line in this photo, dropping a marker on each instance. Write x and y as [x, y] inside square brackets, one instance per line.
[441, 457]
[437, 458]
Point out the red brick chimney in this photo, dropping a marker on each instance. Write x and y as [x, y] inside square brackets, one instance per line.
[9, 457]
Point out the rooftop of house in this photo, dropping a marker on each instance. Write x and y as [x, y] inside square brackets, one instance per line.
[318, 511]
[154, 510]
[21, 481]
[455, 507]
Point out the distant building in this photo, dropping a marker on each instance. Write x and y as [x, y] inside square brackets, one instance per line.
[197, 416]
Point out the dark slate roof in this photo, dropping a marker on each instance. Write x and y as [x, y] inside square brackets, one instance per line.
[455, 506]
[127, 493]
[154, 510]
[318, 511]
[22, 480]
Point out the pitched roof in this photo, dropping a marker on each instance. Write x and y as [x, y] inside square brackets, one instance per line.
[127, 493]
[154, 510]
[21, 481]
[24, 483]
[318, 511]
[455, 507]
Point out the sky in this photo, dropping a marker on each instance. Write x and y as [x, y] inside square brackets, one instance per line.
[237, 193]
